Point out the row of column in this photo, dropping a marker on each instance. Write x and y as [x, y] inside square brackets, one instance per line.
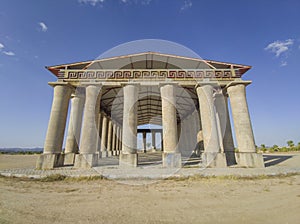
[171, 156]
[100, 136]
[153, 139]
[210, 113]
[109, 141]
[220, 152]
[94, 122]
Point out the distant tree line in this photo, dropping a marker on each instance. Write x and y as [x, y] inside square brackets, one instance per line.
[275, 148]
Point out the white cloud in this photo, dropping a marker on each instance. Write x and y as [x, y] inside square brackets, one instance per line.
[279, 47]
[1, 46]
[9, 53]
[43, 26]
[283, 63]
[100, 2]
[186, 5]
[91, 2]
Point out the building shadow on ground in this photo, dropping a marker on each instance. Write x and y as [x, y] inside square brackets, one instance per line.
[272, 160]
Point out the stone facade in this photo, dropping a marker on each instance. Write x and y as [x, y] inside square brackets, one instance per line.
[103, 123]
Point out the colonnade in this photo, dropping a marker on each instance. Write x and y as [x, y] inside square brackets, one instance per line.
[153, 137]
[92, 134]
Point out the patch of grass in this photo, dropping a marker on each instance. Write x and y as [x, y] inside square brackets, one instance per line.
[177, 178]
[71, 190]
[52, 178]
[230, 177]
[85, 178]
[56, 177]
[20, 152]
[266, 189]
[59, 177]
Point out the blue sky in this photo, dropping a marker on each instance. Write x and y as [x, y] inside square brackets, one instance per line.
[264, 34]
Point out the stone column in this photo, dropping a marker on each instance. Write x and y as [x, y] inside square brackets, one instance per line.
[145, 141]
[171, 157]
[109, 138]
[161, 141]
[120, 139]
[88, 143]
[113, 144]
[178, 131]
[153, 139]
[104, 136]
[211, 156]
[228, 139]
[128, 157]
[99, 129]
[221, 117]
[52, 156]
[117, 140]
[247, 155]
[74, 129]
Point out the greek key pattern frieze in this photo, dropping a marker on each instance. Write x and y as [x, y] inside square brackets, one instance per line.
[150, 74]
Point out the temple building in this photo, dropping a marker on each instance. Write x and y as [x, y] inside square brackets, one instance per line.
[110, 98]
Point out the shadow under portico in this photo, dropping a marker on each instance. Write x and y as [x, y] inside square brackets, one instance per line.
[150, 159]
[272, 160]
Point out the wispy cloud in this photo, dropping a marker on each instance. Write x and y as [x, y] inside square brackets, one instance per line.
[43, 26]
[279, 47]
[283, 63]
[186, 5]
[91, 2]
[101, 2]
[9, 53]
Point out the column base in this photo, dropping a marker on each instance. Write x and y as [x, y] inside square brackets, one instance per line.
[250, 160]
[114, 153]
[214, 160]
[49, 161]
[86, 161]
[171, 160]
[103, 154]
[128, 160]
[109, 153]
[69, 158]
[230, 158]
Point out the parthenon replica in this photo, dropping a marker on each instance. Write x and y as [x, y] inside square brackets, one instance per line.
[109, 98]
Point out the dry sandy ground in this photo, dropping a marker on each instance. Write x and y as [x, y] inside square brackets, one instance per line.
[214, 200]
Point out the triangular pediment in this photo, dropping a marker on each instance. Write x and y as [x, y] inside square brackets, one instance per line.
[148, 60]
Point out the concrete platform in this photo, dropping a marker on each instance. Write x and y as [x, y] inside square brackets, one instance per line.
[151, 169]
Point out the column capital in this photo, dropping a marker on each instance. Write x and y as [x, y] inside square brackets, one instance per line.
[207, 83]
[130, 84]
[234, 83]
[103, 113]
[60, 83]
[161, 84]
[91, 83]
[78, 93]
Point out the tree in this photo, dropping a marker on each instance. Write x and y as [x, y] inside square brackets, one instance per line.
[290, 143]
[263, 147]
[274, 148]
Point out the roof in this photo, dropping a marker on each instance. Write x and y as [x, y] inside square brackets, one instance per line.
[149, 60]
[149, 103]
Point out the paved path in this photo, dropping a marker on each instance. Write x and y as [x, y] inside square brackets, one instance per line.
[150, 168]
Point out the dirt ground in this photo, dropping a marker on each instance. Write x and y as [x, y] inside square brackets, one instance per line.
[200, 200]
